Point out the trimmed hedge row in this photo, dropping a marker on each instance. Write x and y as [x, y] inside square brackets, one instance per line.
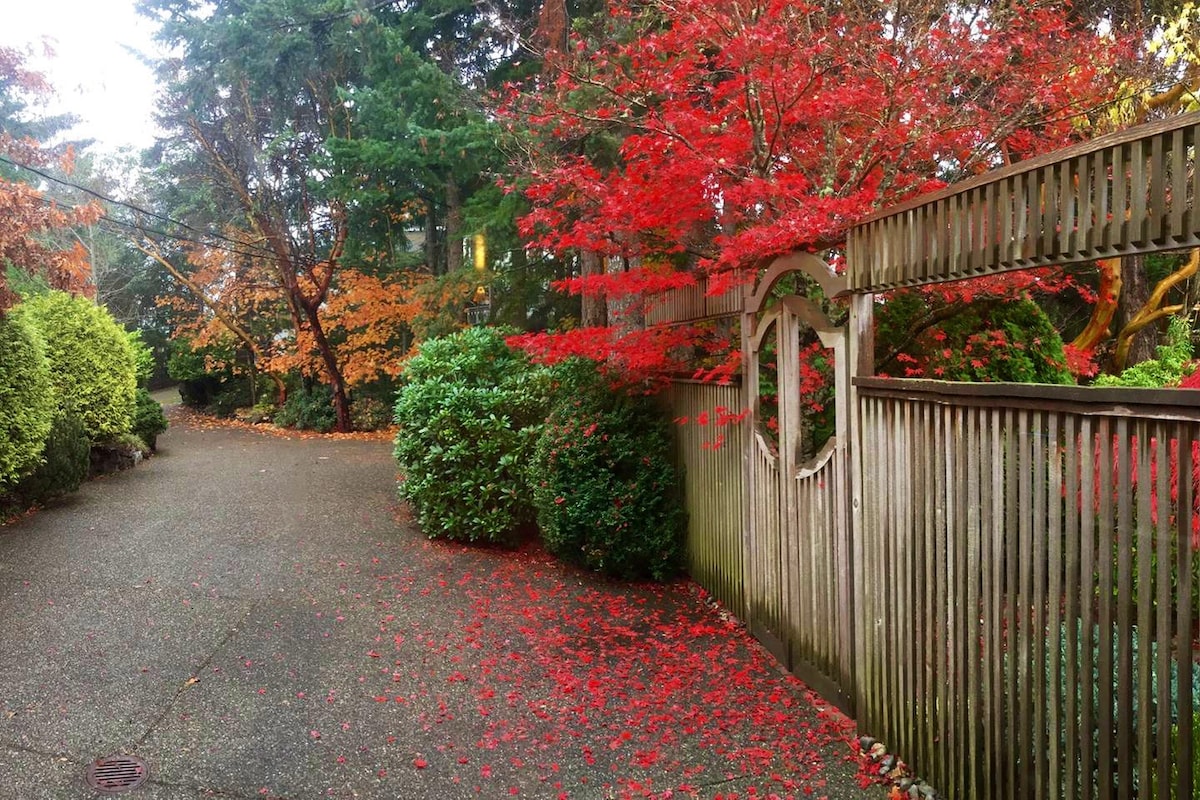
[27, 402]
[489, 441]
[68, 383]
[91, 360]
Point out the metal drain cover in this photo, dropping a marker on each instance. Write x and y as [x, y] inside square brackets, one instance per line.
[116, 774]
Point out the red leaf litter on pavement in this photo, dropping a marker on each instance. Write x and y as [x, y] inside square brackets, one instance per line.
[523, 675]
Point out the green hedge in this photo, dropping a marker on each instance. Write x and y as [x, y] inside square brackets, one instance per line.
[469, 411]
[64, 463]
[607, 494]
[148, 419]
[308, 410]
[92, 363]
[26, 398]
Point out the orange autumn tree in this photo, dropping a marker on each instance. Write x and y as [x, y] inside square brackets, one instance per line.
[25, 213]
[369, 320]
[230, 299]
[233, 298]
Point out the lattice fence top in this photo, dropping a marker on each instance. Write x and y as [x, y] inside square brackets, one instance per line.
[692, 303]
[1129, 192]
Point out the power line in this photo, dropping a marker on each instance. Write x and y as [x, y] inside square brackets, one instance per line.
[139, 228]
[136, 209]
[122, 226]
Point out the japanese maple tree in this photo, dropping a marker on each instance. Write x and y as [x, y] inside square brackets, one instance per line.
[26, 214]
[709, 137]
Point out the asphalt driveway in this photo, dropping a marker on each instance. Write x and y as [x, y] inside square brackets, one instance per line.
[254, 617]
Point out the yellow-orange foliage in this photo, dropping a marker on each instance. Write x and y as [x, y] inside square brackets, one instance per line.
[369, 321]
[231, 301]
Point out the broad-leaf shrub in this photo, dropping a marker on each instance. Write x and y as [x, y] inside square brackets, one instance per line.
[606, 491]
[206, 381]
[26, 398]
[1168, 367]
[148, 419]
[308, 410]
[469, 410]
[988, 340]
[370, 414]
[92, 363]
[64, 464]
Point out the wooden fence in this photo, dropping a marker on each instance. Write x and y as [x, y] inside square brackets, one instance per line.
[692, 303]
[713, 487]
[1028, 567]
[1130, 192]
[1017, 567]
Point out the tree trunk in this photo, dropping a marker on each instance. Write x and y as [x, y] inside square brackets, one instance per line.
[553, 30]
[223, 315]
[454, 227]
[1135, 292]
[626, 313]
[594, 313]
[341, 403]
[431, 249]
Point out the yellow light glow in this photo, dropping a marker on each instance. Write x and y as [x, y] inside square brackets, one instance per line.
[480, 251]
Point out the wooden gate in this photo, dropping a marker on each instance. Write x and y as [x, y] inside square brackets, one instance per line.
[797, 560]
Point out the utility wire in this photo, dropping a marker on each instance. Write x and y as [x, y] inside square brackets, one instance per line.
[239, 248]
[139, 228]
[122, 227]
[136, 209]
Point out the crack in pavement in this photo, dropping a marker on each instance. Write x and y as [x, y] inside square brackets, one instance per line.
[33, 751]
[193, 680]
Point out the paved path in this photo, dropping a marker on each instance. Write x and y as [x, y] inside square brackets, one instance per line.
[253, 616]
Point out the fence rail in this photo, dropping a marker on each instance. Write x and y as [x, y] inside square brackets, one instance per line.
[1022, 600]
[1027, 601]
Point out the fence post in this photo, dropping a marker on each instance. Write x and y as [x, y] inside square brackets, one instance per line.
[860, 333]
[750, 405]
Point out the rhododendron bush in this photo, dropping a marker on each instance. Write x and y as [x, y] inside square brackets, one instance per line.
[701, 137]
[606, 491]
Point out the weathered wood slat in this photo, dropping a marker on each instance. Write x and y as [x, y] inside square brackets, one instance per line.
[1162, 624]
[993, 507]
[1039, 459]
[1072, 546]
[714, 492]
[1087, 570]
[1189, 441]
[1099, 199]
[1106, 755]
[1046, 558]
[1142, 588]
[1053, 652]
[1125, 534]
[1011, 653]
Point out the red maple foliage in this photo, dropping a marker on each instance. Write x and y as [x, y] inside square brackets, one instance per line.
[717, 135]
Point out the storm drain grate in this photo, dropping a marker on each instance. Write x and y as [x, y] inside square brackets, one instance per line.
[116, 774]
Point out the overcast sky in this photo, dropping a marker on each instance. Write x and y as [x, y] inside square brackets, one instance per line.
[96, 76]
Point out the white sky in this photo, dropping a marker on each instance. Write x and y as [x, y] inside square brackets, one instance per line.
[94, 74]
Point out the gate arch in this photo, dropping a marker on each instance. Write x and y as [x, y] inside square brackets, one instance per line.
[798, 538]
